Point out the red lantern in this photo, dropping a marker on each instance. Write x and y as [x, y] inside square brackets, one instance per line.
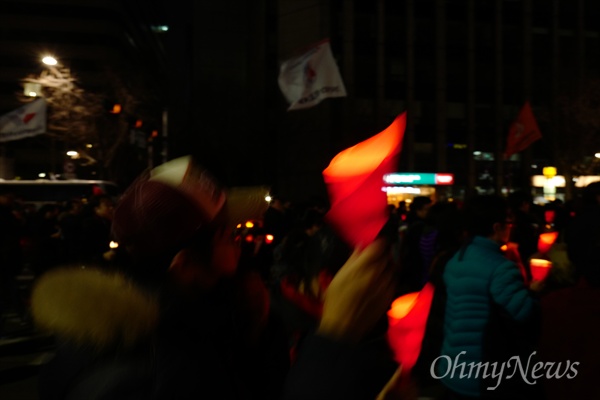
[546, 240]
[407, 319]
[354, 183]
[539, 268]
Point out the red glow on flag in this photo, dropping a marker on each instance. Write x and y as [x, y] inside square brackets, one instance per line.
[353, 178]
[407, 319]
[523, 131]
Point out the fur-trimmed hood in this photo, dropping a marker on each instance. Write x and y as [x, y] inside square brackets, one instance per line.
[93, 307]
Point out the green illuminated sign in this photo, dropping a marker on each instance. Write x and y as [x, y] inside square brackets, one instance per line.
[417, 178]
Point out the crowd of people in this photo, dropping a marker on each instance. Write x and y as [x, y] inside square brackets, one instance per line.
[37, 239]
[181, 309]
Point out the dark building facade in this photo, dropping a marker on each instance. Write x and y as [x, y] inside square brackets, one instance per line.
[460, 68]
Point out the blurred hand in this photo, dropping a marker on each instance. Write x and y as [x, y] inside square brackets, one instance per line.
[537, 286]
[512, 253]
[359, 294]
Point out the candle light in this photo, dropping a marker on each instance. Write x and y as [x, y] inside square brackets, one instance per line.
[539, 268]
[546, 240]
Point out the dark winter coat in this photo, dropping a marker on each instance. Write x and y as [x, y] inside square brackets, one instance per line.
[483, 289]
[119, 342]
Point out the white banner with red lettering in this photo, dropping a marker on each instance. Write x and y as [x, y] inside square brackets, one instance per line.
[28, 120]
[308, 79]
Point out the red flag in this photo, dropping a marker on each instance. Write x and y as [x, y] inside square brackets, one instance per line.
[523, 132]
[354, 179]
[407, 320]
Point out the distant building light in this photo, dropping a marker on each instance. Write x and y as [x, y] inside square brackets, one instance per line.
[401, 178]
[541, 180]
[444, 179]
[400, 189]
[160, 28]
[597, 155]
[418, 178]
[534, 166]
[116, 109]
[89, 145]
[42, 175]
[459, 146]
[483, 156]
[549, 172]
[32, 89]
[585, 180]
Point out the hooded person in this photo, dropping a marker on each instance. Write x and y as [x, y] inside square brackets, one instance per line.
[179, 322]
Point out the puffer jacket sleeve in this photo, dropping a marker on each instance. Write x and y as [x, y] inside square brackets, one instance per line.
[508, 290]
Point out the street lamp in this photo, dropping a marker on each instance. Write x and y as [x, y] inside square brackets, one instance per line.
[49, 60]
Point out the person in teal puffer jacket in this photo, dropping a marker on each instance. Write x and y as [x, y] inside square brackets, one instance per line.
[489, 315]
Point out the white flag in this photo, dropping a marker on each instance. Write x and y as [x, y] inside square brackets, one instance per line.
[311, 77]
[28, 120]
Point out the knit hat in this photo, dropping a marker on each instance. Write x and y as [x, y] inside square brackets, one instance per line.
[169, 204]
